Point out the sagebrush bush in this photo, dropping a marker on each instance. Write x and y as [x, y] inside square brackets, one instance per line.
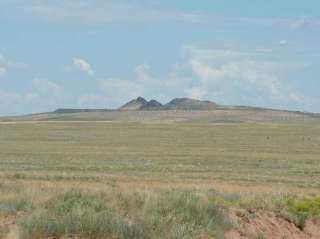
[184, 215]
[76, 214]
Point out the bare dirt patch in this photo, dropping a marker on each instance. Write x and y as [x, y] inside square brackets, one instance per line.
[8, 228]
[268, 225]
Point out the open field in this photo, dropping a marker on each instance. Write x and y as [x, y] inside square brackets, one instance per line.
[234, 155]
[202, 167]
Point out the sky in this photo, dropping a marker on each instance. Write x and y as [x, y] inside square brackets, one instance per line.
[102, 53]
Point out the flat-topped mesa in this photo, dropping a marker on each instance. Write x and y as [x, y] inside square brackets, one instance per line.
[190, 104]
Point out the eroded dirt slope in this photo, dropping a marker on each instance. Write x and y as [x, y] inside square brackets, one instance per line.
[268, 225]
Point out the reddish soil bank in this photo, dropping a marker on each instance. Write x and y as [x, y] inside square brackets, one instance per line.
[268, 225]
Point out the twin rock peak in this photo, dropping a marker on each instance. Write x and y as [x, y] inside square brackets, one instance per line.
[141, 104]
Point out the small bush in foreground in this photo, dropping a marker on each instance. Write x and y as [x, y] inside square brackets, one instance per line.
[184, 215]
[75, 214]
[299, 210]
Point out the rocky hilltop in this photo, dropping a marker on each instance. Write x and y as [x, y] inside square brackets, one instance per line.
[141, 104]
[175, 104]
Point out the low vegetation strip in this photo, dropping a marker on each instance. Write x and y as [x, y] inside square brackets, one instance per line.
[168, 215]
[155, 214]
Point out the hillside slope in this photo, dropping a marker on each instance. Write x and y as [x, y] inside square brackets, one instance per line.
[135, 104]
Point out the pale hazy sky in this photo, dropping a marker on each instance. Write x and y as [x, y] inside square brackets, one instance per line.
[102, 53]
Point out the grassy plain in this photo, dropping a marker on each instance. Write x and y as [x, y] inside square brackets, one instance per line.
[134, 165]
[228, 156]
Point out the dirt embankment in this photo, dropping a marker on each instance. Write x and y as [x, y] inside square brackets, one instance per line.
[268, 225]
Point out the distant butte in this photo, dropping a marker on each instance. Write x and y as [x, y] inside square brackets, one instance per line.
[176, 104]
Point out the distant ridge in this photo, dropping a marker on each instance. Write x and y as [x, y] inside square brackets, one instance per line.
[177, 110]
[70, 111]
[181, 104]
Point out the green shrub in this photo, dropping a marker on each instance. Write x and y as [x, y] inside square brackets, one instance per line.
[76, 201]
[299, 210]
[183, 215]
[75, 214]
